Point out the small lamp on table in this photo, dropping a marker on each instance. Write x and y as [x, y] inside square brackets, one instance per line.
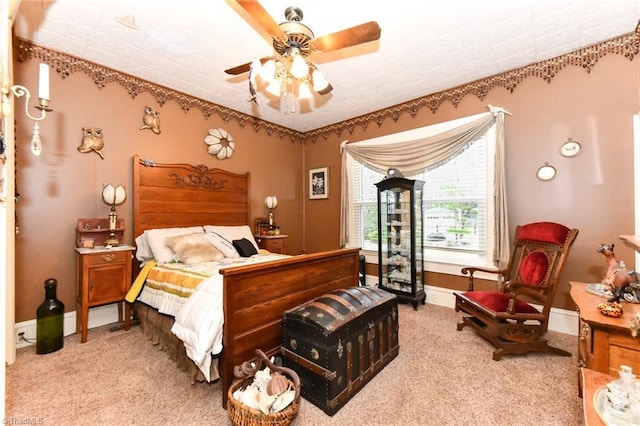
[271, 201]
[113, 197]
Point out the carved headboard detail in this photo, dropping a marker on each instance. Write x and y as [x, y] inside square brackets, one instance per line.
[206, 196]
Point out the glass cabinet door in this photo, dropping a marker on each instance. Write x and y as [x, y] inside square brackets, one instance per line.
[400, 230]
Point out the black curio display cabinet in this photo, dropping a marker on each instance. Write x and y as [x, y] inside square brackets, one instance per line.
[400, 232]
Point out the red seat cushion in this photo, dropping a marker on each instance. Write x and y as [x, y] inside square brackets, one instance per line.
[498, 302]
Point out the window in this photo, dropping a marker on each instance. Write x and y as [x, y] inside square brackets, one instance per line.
[457, 208]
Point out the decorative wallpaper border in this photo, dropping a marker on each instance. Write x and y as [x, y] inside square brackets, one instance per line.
[64, 64]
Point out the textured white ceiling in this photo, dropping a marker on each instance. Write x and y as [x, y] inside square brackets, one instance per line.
[425, 46]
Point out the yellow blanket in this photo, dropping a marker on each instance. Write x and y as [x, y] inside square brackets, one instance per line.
[137, 285]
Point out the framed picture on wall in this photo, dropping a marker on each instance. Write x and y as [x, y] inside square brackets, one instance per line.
[319, 183]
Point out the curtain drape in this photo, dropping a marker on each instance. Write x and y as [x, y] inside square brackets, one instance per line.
[426, 148]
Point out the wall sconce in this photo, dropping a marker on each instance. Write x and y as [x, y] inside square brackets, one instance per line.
[113, 197]
[271, 201]
[43, 94]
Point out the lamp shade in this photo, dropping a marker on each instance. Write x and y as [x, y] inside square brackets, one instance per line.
[299, 67]
[113, 196]
[271, 201]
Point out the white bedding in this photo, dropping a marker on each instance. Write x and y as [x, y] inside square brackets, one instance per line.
[198, 313]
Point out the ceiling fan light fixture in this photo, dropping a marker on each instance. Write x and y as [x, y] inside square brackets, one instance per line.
[299, 67]
[256, 67]
[268, 70]
[304, 91]
[274, 87]
[320, 83]
[326, 90]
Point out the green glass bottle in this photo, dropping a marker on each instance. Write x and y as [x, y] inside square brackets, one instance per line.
[50, 320]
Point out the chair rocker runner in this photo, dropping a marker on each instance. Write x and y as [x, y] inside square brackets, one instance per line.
[507, 317]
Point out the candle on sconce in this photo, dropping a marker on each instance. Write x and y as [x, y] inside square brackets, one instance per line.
[43, 86]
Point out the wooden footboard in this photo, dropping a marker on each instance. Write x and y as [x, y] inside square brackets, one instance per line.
[256, 296]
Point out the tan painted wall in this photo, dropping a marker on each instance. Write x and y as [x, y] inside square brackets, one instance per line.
[63, 185]
[592, 192]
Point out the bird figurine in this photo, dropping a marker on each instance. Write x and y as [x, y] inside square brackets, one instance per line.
[91, 141]
[151, 120]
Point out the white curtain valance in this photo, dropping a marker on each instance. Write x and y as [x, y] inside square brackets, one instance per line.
[425, 148]
[415, 150]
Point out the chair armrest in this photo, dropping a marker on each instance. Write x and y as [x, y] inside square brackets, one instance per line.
[473, 269]
[517, 290]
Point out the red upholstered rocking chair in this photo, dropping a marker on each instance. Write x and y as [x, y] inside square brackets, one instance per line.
[507, 317]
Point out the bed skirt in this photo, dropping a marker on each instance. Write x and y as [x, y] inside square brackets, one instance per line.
[157, 328]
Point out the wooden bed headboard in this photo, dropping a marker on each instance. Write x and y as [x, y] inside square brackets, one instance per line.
[176, 195]
[255, 296]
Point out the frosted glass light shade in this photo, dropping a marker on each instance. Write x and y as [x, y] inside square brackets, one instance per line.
[299, 67]
[113, 196]
[274, 88]
[304, 92]
[267, 71]
[271, 201]
[320, 83]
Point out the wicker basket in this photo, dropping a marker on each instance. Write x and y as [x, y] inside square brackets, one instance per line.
[241, 415]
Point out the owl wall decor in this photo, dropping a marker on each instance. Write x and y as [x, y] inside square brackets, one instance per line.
[151, 120]
[91, 141]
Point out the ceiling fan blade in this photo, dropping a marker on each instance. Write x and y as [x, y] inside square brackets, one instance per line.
[260, 15]
[359, 34]
[240, 69]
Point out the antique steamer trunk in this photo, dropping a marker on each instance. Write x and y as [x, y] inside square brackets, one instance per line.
[338, 342]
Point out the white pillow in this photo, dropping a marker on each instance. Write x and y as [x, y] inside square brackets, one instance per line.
[155, 237]
[231, 233]
[221, 243]
[192, 248]
[143, 251]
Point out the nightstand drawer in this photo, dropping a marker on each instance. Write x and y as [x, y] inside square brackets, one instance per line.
[106, 258]
[275, 245]
[272, 243]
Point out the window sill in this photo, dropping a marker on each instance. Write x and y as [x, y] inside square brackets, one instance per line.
[441, 267]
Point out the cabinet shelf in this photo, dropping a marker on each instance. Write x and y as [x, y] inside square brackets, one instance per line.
[97, 230]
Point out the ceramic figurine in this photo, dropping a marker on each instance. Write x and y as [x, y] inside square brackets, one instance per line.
[151, 120]
[618, 279]
[91, 141]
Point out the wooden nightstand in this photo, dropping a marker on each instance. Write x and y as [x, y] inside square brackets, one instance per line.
[103, 277]
[273, 243]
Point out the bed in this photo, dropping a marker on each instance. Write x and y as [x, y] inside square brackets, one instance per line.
[254, 296]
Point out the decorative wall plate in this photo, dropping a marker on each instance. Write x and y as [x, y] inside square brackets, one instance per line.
[570, 148]
[220, 143]
[546, 172]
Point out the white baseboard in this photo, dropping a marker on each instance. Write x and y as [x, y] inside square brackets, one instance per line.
[98, 316]
[561, 320]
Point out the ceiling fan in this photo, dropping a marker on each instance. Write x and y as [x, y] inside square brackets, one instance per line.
[292, 42]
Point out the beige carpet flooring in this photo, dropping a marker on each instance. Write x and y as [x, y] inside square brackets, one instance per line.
[440, 377]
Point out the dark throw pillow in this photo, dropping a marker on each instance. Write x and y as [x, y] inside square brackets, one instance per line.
[245, 247]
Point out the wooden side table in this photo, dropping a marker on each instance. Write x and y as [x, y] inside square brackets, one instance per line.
[591, 382]
[604, 343]
[103, 277]
[273, 243]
